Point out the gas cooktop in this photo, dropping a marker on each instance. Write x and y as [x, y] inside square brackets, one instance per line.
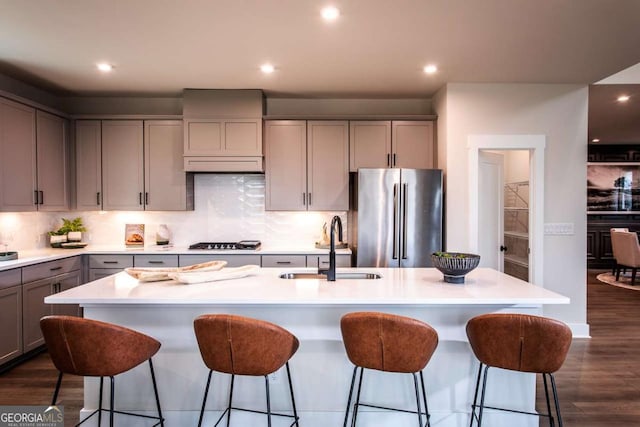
[242, 244]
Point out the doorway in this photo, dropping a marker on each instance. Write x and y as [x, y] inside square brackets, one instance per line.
[506, 209]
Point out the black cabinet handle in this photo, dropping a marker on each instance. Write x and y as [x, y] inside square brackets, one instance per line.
[140, 197]
[394, 159]
[156, 262]
[35, 197]
[55, 268]
[309, 197]
[304, 199]
[110, 262]
[42, 197]
[98, 198]
[283, 262]
[146, 198]
[388, 160]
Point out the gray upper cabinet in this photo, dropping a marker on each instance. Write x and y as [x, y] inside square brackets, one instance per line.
[369, 144]
[122, 165]
[53, 185]
[165, 180]
[18, 185]
[307, 165]
[413, 144]
[328, 165]
[223, 130]
[286, 165]
[131, 165]
[387, 144]
[88, 164]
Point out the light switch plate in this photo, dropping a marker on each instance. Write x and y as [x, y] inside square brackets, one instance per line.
[559, 229]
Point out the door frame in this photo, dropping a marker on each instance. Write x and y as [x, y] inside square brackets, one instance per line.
[535, 144]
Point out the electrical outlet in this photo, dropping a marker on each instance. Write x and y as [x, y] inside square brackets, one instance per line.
[559, 229]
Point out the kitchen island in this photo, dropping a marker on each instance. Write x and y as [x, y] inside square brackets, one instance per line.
[311, 309]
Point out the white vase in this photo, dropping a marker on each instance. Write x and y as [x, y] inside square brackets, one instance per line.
[163, 236]
[74, 236]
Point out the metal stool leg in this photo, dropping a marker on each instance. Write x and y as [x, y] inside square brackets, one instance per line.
[355, 406]
[424, 396]
[546, 395]
[484, 389]
[100, 402]
[204, 401]
[155, 391]
[293, 400]
[353, 381]
[555, 399]
[112, 402]
[233, 378]
[266, 382]
[415, 385]
[55, 393]
[475, 396]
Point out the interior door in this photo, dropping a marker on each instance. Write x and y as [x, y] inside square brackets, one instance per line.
[491, 210]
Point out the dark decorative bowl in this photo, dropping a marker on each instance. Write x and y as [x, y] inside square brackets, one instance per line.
[454, 265]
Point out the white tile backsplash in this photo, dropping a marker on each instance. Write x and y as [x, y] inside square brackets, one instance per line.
[228, 207]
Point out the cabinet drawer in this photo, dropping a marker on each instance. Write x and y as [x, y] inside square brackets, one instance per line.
[99, 273]
[322, 261]
[51, 268]
[232, 260]
[110, 261]
[10, 278]
[284, 261]
[155, 260]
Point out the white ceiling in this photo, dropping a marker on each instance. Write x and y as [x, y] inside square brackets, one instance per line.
[376, 49]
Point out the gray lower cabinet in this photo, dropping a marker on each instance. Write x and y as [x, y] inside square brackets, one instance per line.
[322, 261]
[40, 281]
[284, 261]
[232, 260]
[10, 315]
[155, 260]
[105, 265]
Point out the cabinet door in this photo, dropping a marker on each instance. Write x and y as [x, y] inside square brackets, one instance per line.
[33, 309]
[88, 165]
[62, 283]
[51, 136]
[369, 144]
[243, 137]
[413, 146]
[286, 165]
[11, 321]
[232, 260]
[122, 163]
[165, 179]
[230, 137]
[17, 157]
[99, 273]
[328, 163]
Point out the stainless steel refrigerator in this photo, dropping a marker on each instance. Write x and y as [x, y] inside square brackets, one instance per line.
[399, 217]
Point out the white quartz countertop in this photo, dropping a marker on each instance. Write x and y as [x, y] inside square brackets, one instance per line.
[407, 286]
[26, 258]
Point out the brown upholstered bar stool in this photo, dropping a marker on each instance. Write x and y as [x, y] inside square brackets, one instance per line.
[389, 343]
[239, 345]
[91, 348]
[518, 342]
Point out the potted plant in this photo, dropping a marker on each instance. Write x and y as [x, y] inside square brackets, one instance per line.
[71, 230]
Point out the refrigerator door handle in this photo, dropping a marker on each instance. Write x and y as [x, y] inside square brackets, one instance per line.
[405, 191]
[395, 221]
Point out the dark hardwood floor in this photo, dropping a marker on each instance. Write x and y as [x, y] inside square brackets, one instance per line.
[599, 384]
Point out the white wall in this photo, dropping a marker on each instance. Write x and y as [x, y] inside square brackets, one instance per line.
[560, 113]
[228, 207]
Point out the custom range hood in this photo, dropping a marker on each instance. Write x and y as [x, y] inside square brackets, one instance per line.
[223, 130]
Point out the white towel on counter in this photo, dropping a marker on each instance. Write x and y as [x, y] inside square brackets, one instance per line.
[196, 276]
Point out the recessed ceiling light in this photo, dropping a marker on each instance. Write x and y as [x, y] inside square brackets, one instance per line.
[104, 67]
[267, 68]
[430, 69]
[623, 98]
[595, 140]
[330, 13]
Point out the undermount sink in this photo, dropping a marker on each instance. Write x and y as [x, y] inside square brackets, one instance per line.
[339, 276]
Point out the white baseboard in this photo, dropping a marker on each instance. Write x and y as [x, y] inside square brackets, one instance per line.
[580, 330]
